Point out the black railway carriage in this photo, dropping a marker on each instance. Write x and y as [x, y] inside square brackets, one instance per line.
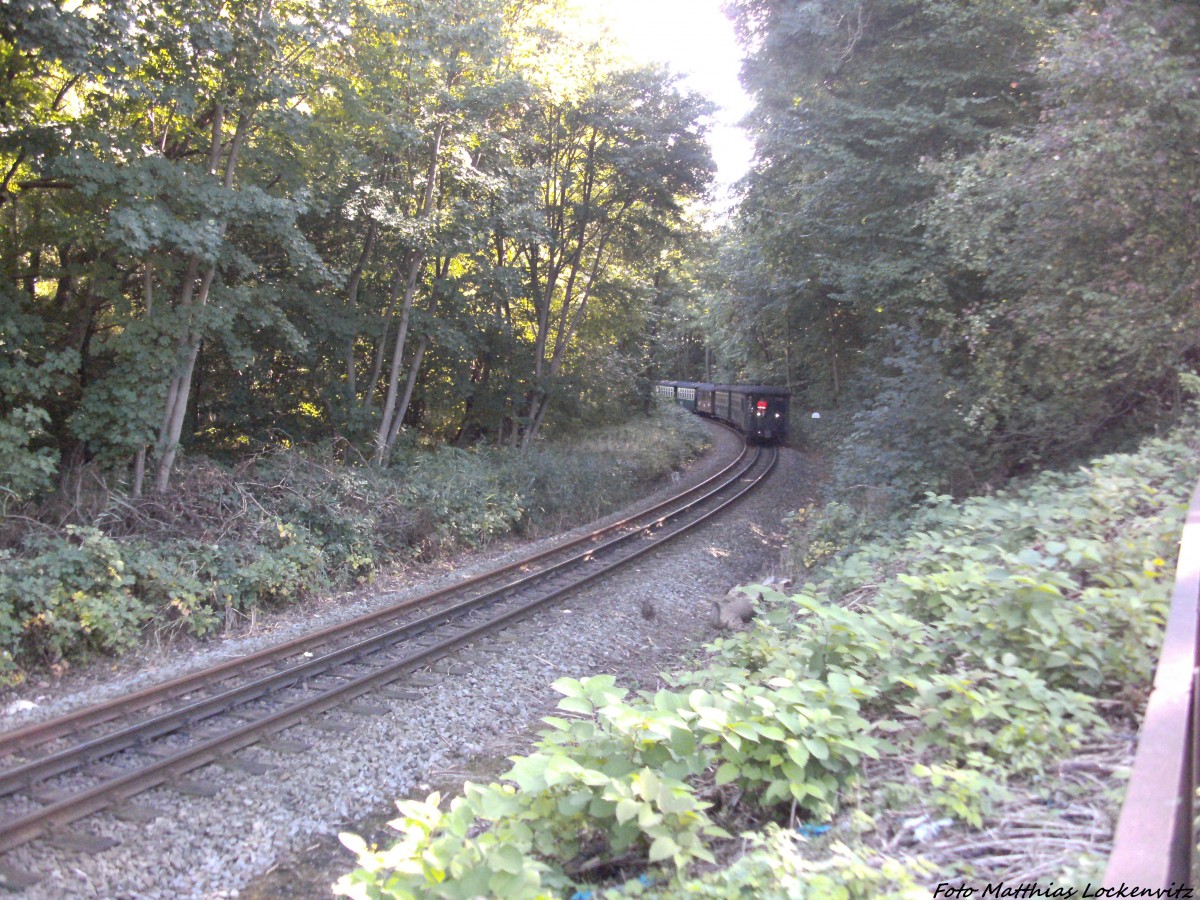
[757, 411]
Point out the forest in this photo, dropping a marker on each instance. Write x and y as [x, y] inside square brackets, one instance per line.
[353, 238]
[292, 289]
[295, 289]
[972, 229]
[232, 225]
[356, 250]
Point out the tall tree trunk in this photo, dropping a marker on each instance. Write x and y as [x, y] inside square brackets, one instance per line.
[193, 297]
[352, 307]
[381, 347]
[383, 445]
[441, 268]
[538, 415]
[414, 368]
[570, 316]
[569, 323]
[386, 435]
[139, 458]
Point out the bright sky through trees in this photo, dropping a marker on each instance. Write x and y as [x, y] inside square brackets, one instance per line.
[694, 38]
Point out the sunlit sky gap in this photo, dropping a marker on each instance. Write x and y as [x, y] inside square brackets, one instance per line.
[695, 39]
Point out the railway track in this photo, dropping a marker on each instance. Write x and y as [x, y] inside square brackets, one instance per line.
[64, 769]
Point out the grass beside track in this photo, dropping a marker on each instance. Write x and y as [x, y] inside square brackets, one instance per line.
[97, 575]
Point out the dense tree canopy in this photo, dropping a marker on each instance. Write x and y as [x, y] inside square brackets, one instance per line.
[229, 223]
[972, 226]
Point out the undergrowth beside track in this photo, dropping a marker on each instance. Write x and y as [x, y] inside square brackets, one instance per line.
[92, 571]
[917, 685]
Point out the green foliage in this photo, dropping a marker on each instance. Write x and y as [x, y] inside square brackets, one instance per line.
[1080, 238]
[293, 522]
[30, 373]
[850, 98]
[466, 494]
[975, 641]
[600, 785]
[790, 739]
[971, 237]
[993, 623]
[66, 594]
[818, 533]
[359, 517]
[437, 856]
[236, 225]
[121, 406]
[195, 581]
[26, 468]
[965, 793]
[779, 866]
[62, 597]
[582, 476]
[619, 777]
[905, 431]
[1010, 716]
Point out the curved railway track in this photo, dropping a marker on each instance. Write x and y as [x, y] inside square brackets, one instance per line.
[64, 769]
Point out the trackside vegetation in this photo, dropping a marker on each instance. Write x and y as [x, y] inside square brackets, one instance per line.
[931, 673]
[231, 542]
[971, 234]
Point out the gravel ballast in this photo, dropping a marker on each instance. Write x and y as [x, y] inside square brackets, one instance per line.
[481, 703]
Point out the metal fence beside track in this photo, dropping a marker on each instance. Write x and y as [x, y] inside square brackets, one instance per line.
[1154, 845]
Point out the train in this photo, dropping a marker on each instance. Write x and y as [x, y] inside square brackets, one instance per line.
[758, 411]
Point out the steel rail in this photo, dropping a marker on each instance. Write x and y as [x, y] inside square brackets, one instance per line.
[189, 715]
[37, 733]
[1154, 845]
[90, 800]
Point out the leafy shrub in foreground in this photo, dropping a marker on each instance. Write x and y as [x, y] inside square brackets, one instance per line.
[618, 784]
[790, 739]
[596, 788]
[780, 866]
[68, 592]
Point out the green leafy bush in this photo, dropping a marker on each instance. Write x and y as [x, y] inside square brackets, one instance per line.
[598, 787]
[173, 581]
[1011, 716]
[64, 594]
[790, 739]
[193, 583]
[967, 793]
[780, 866]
